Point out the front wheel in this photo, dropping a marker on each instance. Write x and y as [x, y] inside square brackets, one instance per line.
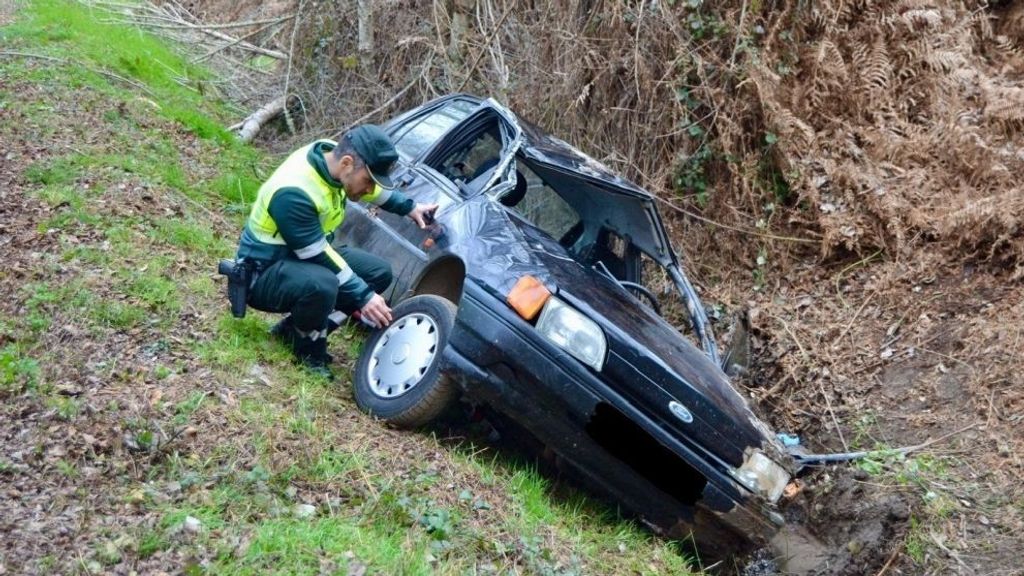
[397, 377]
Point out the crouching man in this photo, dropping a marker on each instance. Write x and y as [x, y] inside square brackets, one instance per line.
[288, 236]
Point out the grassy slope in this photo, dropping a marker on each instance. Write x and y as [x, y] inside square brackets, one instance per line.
[131, 401]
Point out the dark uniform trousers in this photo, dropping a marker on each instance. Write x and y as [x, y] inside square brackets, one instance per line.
[310, 291]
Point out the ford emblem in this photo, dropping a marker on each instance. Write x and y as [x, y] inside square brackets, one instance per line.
[680, 411]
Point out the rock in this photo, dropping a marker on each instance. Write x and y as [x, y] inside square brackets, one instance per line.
[305, 510]
[192, 525]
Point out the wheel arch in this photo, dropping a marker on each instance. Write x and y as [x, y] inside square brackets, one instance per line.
[443, 277]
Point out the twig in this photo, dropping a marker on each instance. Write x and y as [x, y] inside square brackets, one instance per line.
[480, 56]
[946, 356]
[796, 341]
[696, 216]
[832, 413]
[955, 556]
[236, 41]
[128, 81]
[288, 70]
[390, 101]
[636, 51]
[839, 277]
[853, 319]
[828, 401]
[739, 35]
[892, 557]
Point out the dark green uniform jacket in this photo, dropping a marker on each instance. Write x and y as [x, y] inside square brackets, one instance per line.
[297, 211]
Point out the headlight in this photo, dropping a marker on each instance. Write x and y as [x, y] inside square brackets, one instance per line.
[573, 332]
[761, 475]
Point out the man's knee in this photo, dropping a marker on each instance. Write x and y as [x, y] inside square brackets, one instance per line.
[320, 287]
[380, 278]
[318, 291]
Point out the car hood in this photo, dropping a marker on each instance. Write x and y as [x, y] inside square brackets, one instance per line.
[649, 361]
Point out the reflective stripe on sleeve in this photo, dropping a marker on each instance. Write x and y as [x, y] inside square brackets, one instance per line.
[312, 250]
[345, 275]
[336, 258]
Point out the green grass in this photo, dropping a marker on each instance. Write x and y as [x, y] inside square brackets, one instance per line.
[17, 370]
[292, 546]
[68, 28]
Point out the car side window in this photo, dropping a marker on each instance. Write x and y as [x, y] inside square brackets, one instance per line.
[469, 154]
[420, 134]
[474, 159]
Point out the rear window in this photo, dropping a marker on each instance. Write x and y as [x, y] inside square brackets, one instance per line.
[419, 135]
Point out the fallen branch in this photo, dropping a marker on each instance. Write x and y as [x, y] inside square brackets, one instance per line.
[235, 41]
[186, 25]
[238, 40]
[249, 127]
[173, 17]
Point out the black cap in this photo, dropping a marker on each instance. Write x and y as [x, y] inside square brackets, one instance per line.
[376, 150]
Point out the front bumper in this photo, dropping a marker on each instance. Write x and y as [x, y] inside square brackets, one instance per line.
[501, 360]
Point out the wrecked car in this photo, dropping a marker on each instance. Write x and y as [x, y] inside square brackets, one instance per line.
[526, 295]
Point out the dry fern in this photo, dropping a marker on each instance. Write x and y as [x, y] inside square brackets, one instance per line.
[921, 19]
[1004, 103]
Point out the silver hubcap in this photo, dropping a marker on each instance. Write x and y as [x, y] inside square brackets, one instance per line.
[402, 356]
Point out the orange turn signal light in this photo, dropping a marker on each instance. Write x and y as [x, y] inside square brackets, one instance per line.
[528, 296]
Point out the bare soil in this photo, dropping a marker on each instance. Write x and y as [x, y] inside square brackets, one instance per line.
[892, 354]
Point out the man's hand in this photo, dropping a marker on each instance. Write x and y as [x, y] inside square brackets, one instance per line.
[423, 214]
[376, 311]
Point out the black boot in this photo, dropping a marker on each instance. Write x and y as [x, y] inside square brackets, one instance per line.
[284, 331]
[313, 354]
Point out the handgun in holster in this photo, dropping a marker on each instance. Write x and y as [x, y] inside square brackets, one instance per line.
[240, 276]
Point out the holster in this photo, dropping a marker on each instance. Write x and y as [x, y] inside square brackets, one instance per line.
[240, 275]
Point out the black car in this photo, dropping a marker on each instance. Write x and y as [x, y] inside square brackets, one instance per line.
[525, 295]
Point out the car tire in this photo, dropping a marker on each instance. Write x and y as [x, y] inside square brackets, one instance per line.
[397, 377]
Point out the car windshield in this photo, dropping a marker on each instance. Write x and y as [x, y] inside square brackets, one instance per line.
[420, 134]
